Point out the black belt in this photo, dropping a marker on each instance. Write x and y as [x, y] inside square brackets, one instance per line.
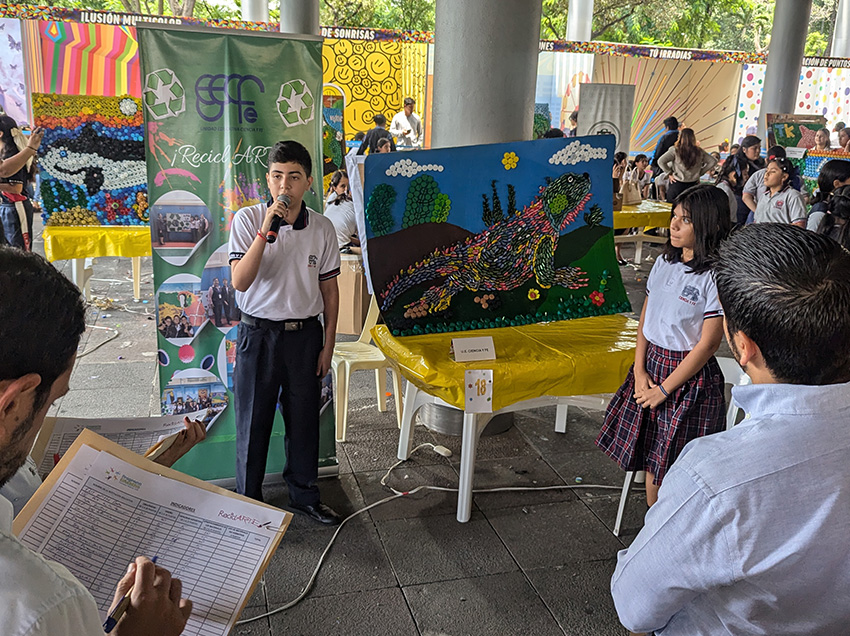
[285, 325]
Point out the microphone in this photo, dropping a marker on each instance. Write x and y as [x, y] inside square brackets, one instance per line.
[271, 237]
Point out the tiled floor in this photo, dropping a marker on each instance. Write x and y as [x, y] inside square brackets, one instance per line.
[526, 563]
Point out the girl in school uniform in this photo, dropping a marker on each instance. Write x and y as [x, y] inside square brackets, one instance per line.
[674, 391]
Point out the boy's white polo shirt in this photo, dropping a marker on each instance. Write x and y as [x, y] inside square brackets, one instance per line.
[287, 283]
[786, 206]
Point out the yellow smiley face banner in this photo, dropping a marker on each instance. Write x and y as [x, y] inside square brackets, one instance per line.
[369, 74]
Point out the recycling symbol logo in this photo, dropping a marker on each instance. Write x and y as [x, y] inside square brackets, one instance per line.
[296, 103]
[163, 94]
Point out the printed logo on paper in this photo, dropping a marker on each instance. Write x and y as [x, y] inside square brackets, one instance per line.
[163, 94]
[296, 103]
[213, 93]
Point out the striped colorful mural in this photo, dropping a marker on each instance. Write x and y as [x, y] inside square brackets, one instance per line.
[89, 59]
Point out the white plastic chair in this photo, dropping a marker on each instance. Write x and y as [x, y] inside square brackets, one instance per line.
[732, 374]
[356, 356]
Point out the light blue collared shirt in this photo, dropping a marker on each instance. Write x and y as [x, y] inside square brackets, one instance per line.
[751, 532]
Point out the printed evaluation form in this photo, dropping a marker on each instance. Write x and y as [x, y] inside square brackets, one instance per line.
[102, 512]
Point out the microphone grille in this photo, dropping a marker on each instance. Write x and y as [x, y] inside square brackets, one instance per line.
[284, 198]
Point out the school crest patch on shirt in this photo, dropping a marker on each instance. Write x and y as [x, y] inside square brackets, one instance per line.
[313, 261]
[690, 294]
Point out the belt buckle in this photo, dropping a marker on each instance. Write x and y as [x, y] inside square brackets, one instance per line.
[292, 326]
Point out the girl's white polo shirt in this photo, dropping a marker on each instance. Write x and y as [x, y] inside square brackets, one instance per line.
[677, 305]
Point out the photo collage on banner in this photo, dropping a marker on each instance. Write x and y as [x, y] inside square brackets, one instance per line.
[207, 157]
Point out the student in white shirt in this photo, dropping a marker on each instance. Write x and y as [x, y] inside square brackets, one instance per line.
[780, 202]
[282, 350]
[750, 532]
[674, 391]
[39, 597]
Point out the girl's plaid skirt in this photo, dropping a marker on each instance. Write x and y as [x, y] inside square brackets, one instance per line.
[638, 438]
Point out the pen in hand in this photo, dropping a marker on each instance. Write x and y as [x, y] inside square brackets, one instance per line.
[119, 609]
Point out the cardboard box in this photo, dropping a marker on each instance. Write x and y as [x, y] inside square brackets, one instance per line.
[353, 295]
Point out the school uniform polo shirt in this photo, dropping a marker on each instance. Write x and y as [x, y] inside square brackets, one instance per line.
[287, 282]
[786, 206]
[755, 184]
[677, 305]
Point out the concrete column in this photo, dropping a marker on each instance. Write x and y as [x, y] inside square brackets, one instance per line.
[785, 58]
[841, 34]
[255, 10]
[299, 16]
[580, 20]
[485, 71]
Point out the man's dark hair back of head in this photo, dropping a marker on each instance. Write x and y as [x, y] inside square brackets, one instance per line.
[788, 289]
[553, 133]
[671, 123]
[42, 317]
[409, 101]
[291, 152]
[379, 120]
[359, 136]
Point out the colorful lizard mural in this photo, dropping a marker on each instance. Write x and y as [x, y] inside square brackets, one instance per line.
[503, 256]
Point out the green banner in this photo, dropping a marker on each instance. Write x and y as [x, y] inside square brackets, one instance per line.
[215, 102]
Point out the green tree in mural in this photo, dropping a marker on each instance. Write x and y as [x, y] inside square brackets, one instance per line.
[421, 201]
[442, 207]
[379, 209]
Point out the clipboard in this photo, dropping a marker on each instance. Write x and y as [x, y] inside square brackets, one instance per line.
[96, 442]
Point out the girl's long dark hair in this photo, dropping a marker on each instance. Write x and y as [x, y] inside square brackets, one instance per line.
[830, 172]
[708, 208]
[837, 223]
[6, 126]
[687, 149]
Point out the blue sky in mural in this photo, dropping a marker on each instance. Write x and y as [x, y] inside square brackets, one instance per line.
[464, 174]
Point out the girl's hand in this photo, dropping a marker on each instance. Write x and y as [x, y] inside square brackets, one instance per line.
[651, 398]
[642, 383]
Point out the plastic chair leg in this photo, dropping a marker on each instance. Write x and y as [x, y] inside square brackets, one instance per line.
[381, 386]
[561, 418]
[405, 435]
[624, 497]
[397, 396]
[340, 379]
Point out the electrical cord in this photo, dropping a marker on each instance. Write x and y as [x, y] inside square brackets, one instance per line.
[397, 494]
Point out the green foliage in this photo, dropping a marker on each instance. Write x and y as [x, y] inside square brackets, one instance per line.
[816, 43]
[421, 201]
[442, 207]
[379, 209]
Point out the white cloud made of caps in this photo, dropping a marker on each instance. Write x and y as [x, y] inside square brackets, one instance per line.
[409, 168]
[576, 152]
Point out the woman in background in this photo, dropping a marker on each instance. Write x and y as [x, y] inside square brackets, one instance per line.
[16, 210]
[685, 163]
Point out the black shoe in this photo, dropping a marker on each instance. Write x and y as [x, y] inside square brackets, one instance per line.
[622, 261]
[320, 512]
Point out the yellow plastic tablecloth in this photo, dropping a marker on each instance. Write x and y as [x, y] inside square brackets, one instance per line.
[570, 357]
[647, 213]
[62, 243]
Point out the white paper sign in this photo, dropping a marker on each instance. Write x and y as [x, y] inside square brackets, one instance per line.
[472, 349]
[479, 390]
[794, 153]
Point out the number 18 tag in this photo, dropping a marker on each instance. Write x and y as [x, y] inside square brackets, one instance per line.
[479, 390]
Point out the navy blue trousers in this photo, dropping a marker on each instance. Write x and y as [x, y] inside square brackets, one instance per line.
[278, 368]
